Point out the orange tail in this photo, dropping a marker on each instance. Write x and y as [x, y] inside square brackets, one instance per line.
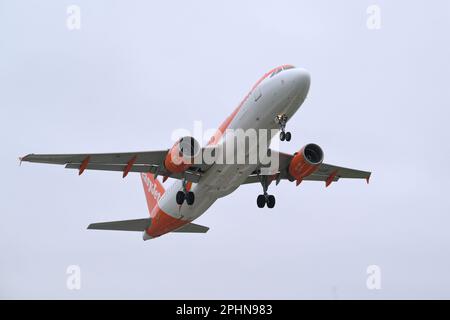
[153, 190]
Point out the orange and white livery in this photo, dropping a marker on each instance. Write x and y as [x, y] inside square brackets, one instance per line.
[200, 178]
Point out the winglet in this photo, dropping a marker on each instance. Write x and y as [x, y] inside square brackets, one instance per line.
[368, 178]
[84, 165]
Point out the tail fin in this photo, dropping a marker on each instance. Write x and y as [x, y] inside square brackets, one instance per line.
[153, 190]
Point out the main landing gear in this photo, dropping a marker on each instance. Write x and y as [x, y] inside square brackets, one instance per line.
[265, 198]
[185, 195]
[188, 196]
[281, 120]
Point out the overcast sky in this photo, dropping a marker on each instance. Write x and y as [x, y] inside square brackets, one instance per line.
[137, 70]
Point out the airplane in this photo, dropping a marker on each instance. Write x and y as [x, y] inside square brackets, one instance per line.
[271, 102]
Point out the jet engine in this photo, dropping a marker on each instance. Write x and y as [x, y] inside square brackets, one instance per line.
[305, 162]
[181, 156]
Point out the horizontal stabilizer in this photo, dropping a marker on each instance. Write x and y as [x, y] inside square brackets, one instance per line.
[124, 225]
[192, 228]
[142, 225]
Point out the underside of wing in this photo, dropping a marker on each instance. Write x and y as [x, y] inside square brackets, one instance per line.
[328, 170]
[125, 162]
[325, 172]
[122, 158]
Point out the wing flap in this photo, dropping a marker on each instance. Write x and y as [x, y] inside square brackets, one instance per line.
[113, 167]
[188, 175]
[313, 177]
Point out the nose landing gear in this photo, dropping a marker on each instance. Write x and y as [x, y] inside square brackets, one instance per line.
[281, 120]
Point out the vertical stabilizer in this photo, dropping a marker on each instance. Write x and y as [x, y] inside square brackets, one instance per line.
[153, 190]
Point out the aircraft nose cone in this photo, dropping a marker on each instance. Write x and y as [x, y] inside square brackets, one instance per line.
[303, 78]
[301, 81]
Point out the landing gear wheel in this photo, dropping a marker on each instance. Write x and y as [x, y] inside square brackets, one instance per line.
[287, 136]
[265, 198]
[180, 197]
[190, 198]
[261, 201]
[281, 120]
[270, 201]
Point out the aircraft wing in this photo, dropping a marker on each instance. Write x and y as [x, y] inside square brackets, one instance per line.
[152, 161]
[326, 172]
[125, 162]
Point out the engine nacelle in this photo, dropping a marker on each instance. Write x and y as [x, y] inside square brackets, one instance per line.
[305, 162]
[181, 156]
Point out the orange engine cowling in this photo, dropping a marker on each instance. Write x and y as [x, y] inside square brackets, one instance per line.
[181, 156]
[305, 162]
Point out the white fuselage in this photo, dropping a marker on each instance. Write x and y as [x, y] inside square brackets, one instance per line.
[283, 93]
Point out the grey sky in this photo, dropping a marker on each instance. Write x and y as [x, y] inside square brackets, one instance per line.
[136, 70]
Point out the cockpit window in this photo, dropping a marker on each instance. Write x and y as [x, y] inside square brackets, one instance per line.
[278, 70]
